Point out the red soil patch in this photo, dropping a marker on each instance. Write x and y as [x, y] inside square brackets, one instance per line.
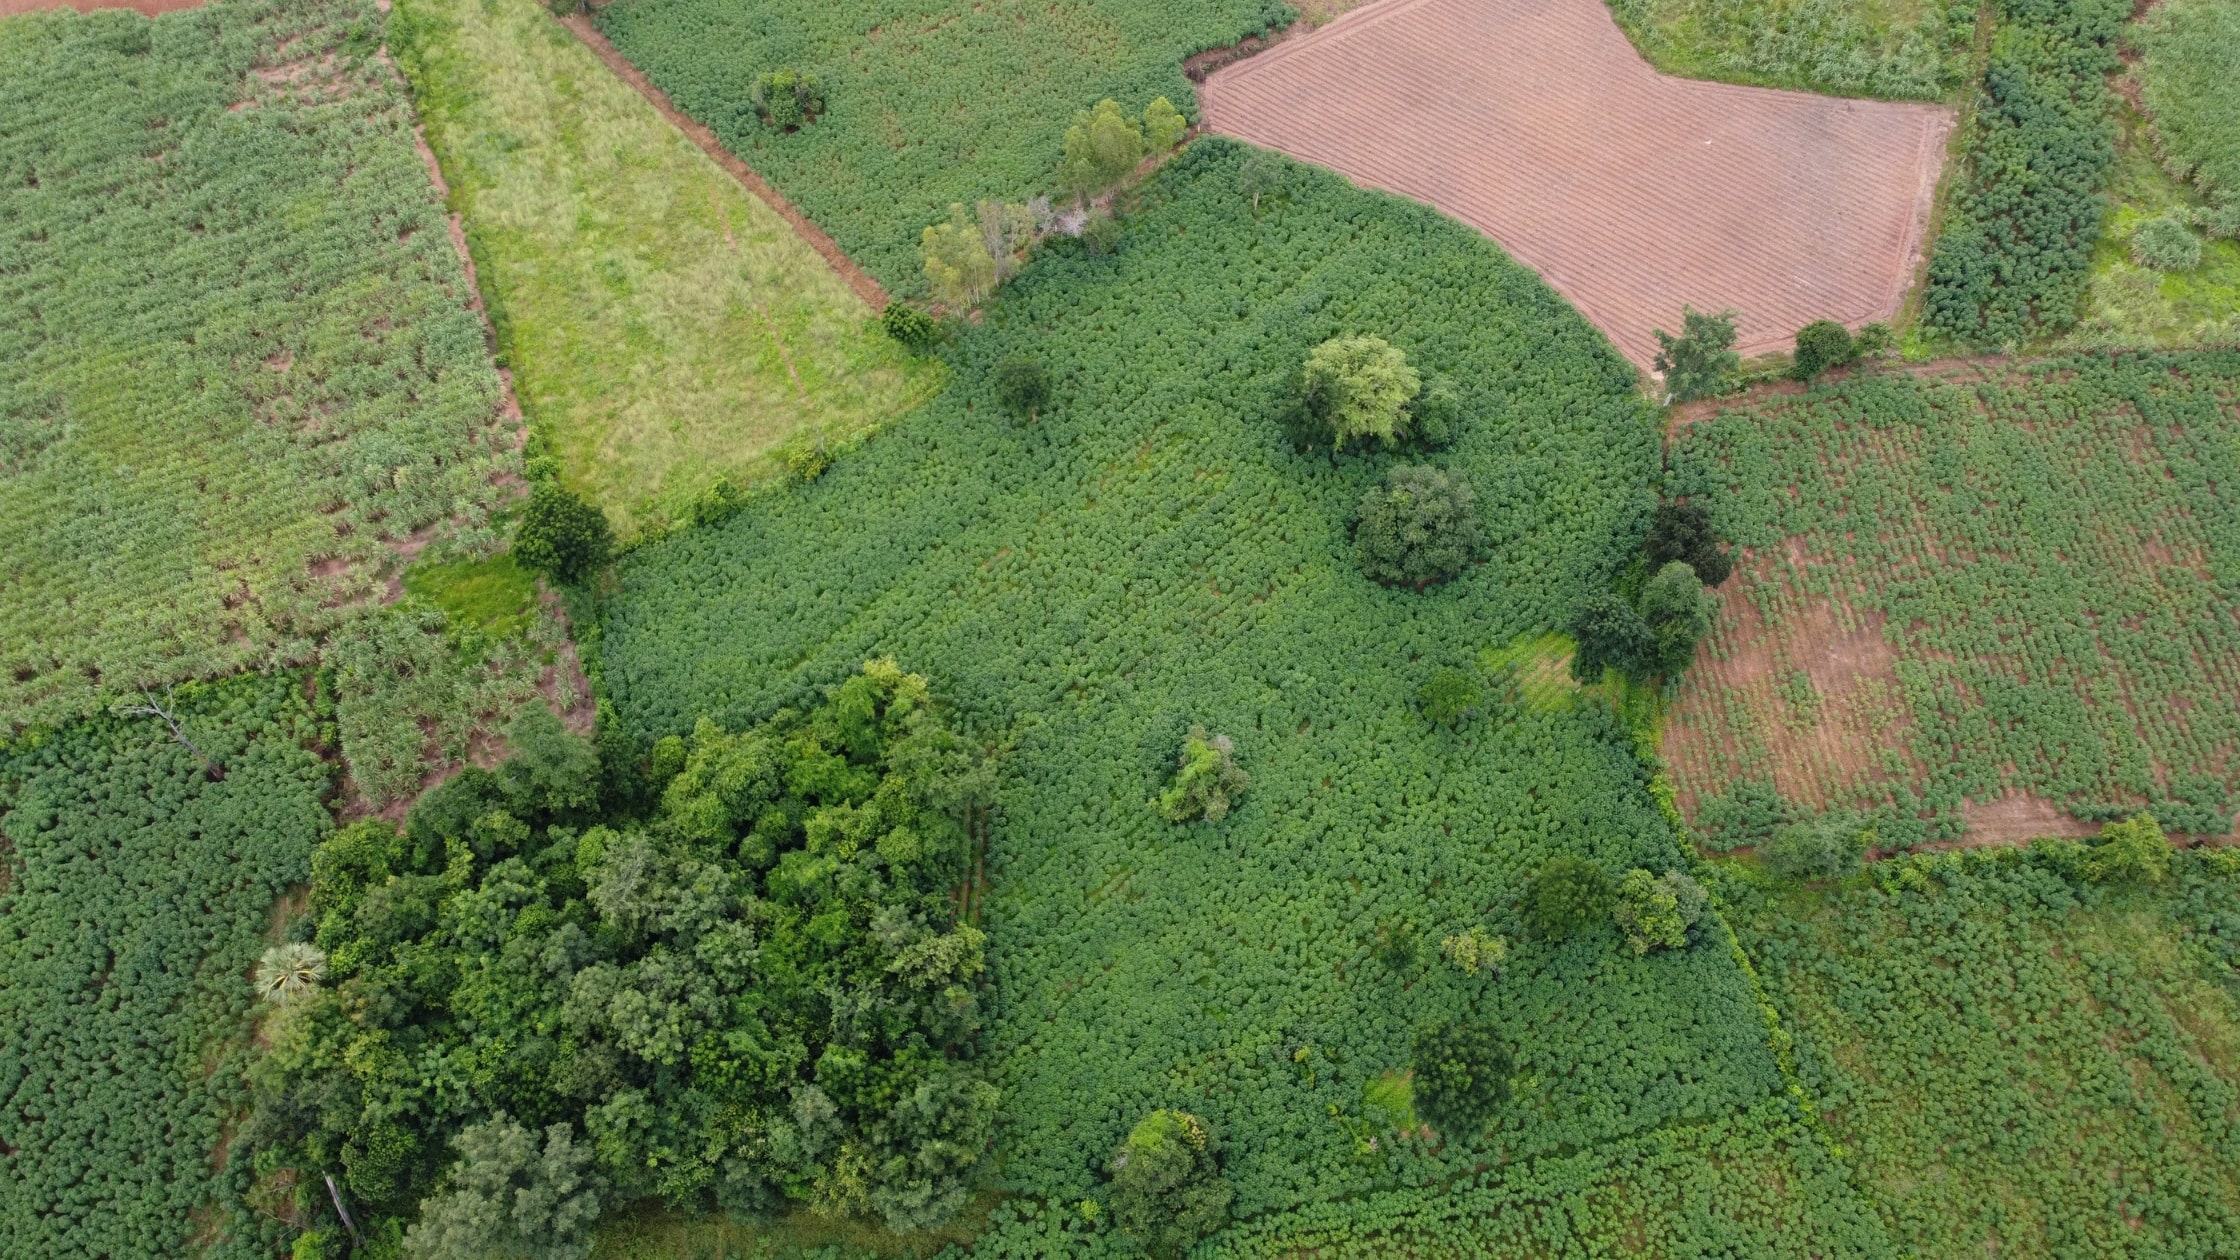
[1536, 122]
[13, 8]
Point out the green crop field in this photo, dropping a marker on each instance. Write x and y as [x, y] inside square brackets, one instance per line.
[240, 364]
[1150, 554]
[2019, 1061]
[2018, 584]
[2186, 82]
[136, 889]
[929, 103]
[664, 328]
[1900, 49]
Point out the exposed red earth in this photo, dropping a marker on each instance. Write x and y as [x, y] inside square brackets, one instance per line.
[13, 8]
[1632, 192]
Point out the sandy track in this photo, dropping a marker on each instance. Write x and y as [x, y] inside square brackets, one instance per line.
[1631, 192]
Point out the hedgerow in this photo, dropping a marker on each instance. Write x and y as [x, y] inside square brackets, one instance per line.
[927, 104]
[240, 361]
[135, 894]
[2015, 254]
[1842, 47]
[1154, 553]
[2015, 1056]
[2051, 557]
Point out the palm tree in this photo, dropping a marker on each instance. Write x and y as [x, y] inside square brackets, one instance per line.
[290, 972]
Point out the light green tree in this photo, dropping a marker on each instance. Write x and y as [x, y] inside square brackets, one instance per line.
[1360, 387]
[957, 262]
[1163, 125]
[1101, 148]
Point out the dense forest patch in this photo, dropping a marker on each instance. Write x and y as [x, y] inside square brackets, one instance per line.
[927, 103]
[664, 328]
[2023, 583]
[2019, 1059]
[241, 366]
[1153, 554]
[139, 888]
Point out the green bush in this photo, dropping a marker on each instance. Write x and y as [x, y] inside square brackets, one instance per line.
[1656, 911]
[787, 100]
[511, 1196]
[1821, 344]
[1678, 612]
[1568, 895]
[1206, 783]
[1683, 532]
[1167, 1190]
[2166, 243]
[1701, 360]
[1023, 387]
[1462, 1072]
[1819, 848]
[1359, 388]
[915, 329]
[561, 535]
[1450, 697]
[1419, 527]
[2131, 851]
[1103, 147]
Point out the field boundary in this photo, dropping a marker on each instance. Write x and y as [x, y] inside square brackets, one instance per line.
[858, 279]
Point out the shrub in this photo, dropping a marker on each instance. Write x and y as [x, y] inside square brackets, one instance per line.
[1462, 1073]
[1657, 911]
[1436, 413]
[1357, 388]
[1101, 231]
[2166, 243]
[1167, 1188]
[2131, 851]
[1874, 341]
[787, 99]
[1678, 613]
[1101, 148]
[1821, 344]
[1818, 848]
[957, 263]
[1698, 362]
[1475, 950]
[915, 329]
[561, 535]
[1569, 893]
[1023, 387]
[1683, 532]
[1419, 527]
[1450, 697]
[1206, 782]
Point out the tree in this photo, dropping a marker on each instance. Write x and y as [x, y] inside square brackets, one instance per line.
[1609, 634]
[1206, 783]
[1006, 230]
[1682, 531]
[1818, 848]
[1261, 175]
[787, 99]
[1449, 697]
[957, 263]
[510, 1198]
[1101, 148]
[1163, 125]
[1657, 911]
[1418, 527]
[1678, 612]
[1697, 363]
[1821, 344]
[1462, 1073]
[289, 973]
[1022, 387]
[1359, 387]
[2131, 851]
[1568, 894]
[1167, 1188]
[1475, 950]
[1436, 413]
[916, 330]
[561, 535]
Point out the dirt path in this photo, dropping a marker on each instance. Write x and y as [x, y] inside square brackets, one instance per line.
[1631, 192]
[858, 279]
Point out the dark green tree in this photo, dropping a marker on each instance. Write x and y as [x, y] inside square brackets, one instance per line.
[1698, 362]
[1678, 612]
[1682, 531]
[917, 331]
[512, 1196]
[1821, 344]
[1023, 387]
[1609, 634]
[1817, 848]
[1418, 527]
[1167, 1188]
[1462, 1072]
[561, 535]
[1450, 697]
[1568, 894]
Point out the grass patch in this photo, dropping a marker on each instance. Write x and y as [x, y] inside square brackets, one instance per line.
[496, 596]
[664, 327]
[1539, 666]
[1895, 49]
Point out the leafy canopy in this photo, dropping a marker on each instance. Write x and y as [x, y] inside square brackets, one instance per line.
[1207, 782]
[562, 535]
[1568, 895]
[1698, 362]
[1418, 527]
[1462, 1070]
[1358, 388]
[1167, 1189]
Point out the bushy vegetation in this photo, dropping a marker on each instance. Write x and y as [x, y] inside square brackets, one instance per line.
[760, 994]
[561, 536]
[2015, 1054]
[2014, 256]
[240, 361]
[1683, 532]
[2186, 81]
[1701, 360]
[1167, 1189]
[665, 328]
[1821, 344]
[2049, 556]
[787, 99]
[1206, 783]
[136, 891]
[1417, 527]
[2166, 243]
[1155, 553]
[1651, 635]
[1907, 51]
[929, 105]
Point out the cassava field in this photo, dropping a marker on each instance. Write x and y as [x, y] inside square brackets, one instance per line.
[1219, 723]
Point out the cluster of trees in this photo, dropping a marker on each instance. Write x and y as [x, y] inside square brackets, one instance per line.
[739, 983]
[787, 100]
[1206, 783]
[1649, 625]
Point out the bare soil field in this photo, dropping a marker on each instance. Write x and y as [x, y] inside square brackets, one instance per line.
[13, 8]
[1632, 193]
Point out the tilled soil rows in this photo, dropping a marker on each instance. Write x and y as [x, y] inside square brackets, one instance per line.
[1536, 122]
